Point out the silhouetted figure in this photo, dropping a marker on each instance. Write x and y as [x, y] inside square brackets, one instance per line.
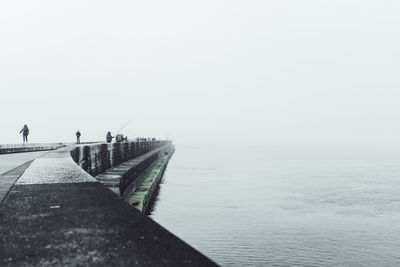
[109, 137]
[78, 137]
[25, 133]
[120, 138]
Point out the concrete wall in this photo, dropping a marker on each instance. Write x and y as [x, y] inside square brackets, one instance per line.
[19, 148]
[95, 159]
[127, 174]
[143, 195]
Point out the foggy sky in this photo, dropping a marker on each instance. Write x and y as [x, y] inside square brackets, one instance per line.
[202, 72]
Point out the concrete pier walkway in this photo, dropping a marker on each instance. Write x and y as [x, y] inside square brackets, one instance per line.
[12, 166]
[58, 215]
[11, 161]
[8, 179]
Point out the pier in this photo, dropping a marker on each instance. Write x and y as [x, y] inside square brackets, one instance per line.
[76, 205]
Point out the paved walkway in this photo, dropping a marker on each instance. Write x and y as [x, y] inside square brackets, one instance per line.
[11, 161]
[12, 166]
[8, 179]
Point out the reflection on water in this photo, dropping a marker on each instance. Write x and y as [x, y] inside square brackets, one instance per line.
[285, 206]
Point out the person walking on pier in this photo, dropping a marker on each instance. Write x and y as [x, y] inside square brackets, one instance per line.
[78, 137]
[25, 133]
[109, 137]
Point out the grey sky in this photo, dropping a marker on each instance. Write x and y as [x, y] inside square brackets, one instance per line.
[276, 72]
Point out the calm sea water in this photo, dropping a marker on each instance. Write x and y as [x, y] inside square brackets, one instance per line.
[280, 206]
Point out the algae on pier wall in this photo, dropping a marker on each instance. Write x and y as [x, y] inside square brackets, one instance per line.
[143, 196]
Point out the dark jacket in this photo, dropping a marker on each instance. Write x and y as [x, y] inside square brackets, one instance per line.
[109, 137]
[25, 130]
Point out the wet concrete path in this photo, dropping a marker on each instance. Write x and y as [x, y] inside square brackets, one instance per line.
[11, 161]
[12, 166]
[8, 179]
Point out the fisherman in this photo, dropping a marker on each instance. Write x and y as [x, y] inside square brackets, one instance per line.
[78, 137]
[119, 138]
[109, 137]
[25, 133]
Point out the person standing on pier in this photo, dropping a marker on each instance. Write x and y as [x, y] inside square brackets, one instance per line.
[25, 133]
[78, 137]
[109, 137]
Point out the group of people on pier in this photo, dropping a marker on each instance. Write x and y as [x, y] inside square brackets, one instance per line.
[144, 139]
[109, 137]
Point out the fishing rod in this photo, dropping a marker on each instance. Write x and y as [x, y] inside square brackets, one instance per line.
[127, 123]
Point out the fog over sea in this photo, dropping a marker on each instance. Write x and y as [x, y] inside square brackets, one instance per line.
[285, 206]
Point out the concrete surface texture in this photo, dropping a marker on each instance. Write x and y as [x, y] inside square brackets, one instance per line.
[97, 158]
[8, 179]
[55, 167]
[11, 161]
[58, 215]
[124, 174]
